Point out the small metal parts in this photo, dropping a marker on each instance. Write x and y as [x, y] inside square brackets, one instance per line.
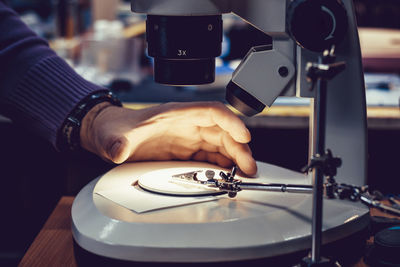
[227, 183]
[328, 165]
[189, 176]
[326, 162]
[194, 176]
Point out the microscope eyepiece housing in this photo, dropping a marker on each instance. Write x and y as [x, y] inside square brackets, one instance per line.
[184, 48]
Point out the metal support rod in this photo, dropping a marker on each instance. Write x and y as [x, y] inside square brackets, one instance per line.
[290, 188]
[318, 176]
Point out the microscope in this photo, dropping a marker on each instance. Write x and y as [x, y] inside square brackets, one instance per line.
[184, 37]
[315, 54]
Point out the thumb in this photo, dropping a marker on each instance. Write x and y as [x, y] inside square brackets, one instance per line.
[117, 149]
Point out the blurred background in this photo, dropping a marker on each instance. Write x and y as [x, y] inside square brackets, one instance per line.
[105, 43]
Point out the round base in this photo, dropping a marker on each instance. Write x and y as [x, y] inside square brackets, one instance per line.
[252, 226]
[346, 251]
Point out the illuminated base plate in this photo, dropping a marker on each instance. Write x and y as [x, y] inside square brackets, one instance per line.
[253, 225]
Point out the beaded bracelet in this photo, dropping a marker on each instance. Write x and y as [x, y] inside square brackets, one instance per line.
[69, 137]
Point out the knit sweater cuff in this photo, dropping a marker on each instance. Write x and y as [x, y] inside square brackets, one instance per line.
[47, 94]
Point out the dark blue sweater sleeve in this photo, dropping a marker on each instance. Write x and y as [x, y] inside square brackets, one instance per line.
[38, 89]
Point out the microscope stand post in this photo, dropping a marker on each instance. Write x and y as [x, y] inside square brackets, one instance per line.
[322, 162]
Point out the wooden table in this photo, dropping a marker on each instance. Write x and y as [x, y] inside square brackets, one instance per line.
[54, 246]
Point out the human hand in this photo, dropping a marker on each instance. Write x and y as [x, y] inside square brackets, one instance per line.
[202, 131]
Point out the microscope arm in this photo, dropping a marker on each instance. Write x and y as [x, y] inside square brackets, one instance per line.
[346, 127]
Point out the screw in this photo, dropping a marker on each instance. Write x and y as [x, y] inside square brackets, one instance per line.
[232, 194]
[283, 71]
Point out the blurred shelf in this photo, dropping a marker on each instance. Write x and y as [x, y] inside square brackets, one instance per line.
[294, 117]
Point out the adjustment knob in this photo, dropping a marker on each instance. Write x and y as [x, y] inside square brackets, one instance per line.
[316, 25]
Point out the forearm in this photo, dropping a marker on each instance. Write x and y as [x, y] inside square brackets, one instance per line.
[37, 88]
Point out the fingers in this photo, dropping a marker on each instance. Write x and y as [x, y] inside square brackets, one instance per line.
[208, 147]
[208, 114]
[239, 153]
[246, 164]
[212, 157]
[212, 135]
[228, 121]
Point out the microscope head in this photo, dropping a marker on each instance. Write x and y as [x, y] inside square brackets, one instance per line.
[185, 36]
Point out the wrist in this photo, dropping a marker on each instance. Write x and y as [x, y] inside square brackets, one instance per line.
[88, 125]
[70, 133]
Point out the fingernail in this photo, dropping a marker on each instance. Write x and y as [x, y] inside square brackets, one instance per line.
[114, 150]
[246, 135]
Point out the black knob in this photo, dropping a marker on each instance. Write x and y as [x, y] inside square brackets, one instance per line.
[316, 25]
[386, 248]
